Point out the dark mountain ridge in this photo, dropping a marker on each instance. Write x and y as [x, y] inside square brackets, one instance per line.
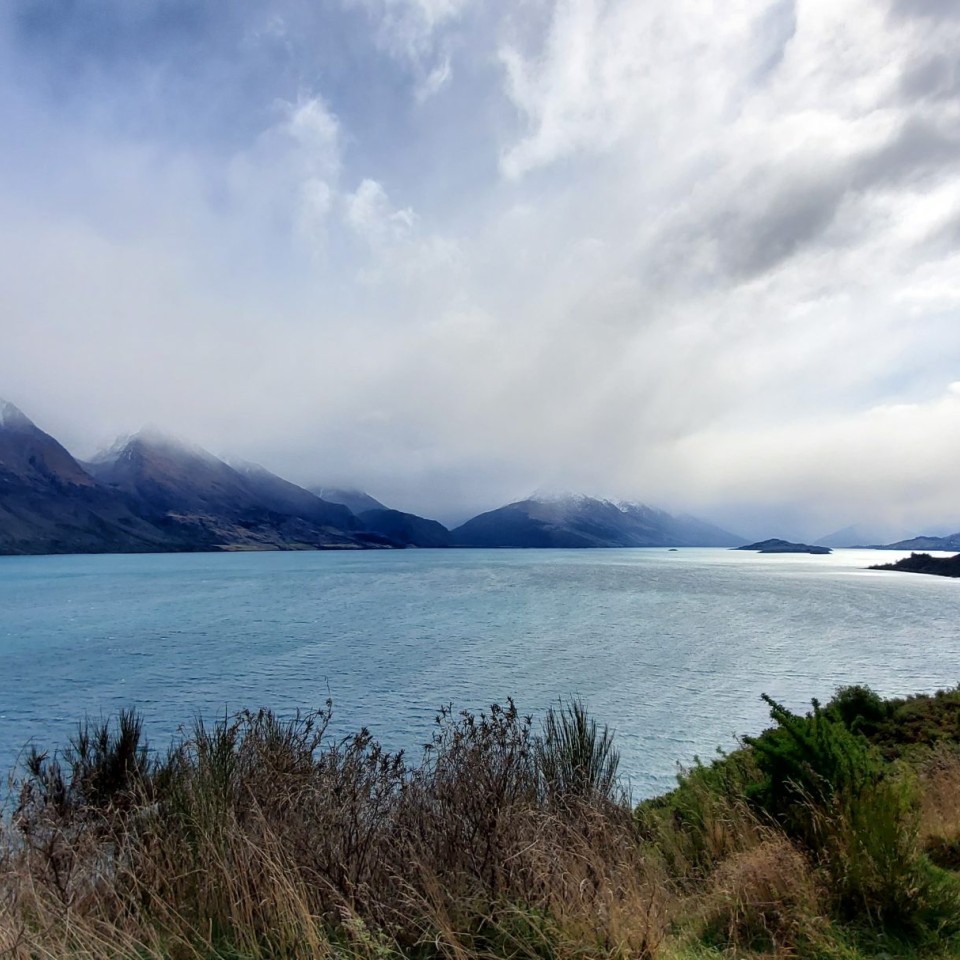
[50, 504]
[924, 563]
[400, 528]
[406, 529]
[151, 492]
[224, 507]
[949, 543]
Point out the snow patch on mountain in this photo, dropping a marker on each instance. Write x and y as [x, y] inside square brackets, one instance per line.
[150, 437]
[577, 500]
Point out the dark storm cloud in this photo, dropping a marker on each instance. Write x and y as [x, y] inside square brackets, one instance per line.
[935, 77]
[789, 210]
[784, 221]
[917, 150]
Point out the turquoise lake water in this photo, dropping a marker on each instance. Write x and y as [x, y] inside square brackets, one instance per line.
[672, 649]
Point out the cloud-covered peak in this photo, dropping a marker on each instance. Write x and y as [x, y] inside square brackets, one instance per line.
[147, 441]
[12, 417]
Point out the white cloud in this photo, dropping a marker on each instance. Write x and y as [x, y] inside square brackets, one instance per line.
[408, 28]
[418, 35]
[682, 252]
[370, 214]
[435, 80]
[287, 180]
[885, 463]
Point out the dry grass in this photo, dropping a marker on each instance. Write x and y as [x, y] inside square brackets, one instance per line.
[940, 805]
[262, 839]
[765, 898]
[257, 839]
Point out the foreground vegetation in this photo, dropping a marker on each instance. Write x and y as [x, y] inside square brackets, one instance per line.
[834, 834]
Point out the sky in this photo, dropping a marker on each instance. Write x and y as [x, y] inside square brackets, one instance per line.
[696, 253]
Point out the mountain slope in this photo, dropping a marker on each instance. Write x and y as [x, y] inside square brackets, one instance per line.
[581, 521]
[406, 529]
[357, 501]
[397, 527]
[183, 485]
[924, 563]
[286, 497]
[50, 504]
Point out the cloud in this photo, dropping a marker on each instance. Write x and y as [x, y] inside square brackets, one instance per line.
[370, 214]
[882, 463]
[419, 35]
[435, 80]
[408, 28]
[682, 252]
[933, 9]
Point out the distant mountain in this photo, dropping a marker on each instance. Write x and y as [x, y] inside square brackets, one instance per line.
[583, 521]
[357, 501]
[50, 504]
[151, 492]
[397, 527]
[406, 529]
[948, 543]
[178, 484]
[858, 535]
[784, 546]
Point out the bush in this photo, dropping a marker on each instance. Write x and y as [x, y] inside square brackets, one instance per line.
[260, 837]
[105, 770]
[859, 817]
[575, 758]
[859, 709]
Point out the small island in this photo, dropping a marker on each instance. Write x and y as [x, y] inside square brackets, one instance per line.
[784, 546]
[924, 563]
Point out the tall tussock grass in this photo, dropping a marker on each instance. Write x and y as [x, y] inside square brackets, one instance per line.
[256, 836]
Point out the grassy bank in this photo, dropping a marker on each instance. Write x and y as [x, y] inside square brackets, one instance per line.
[833, 834]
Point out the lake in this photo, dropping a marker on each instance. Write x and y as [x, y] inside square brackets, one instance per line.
[672, 649]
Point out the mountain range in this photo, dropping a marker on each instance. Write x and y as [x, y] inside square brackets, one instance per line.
[150, 492]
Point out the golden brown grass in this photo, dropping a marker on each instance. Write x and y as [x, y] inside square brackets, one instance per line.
[764, 898]
[261, 839]
[940, 781]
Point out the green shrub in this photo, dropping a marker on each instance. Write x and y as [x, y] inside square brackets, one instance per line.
[859, 709]
[806, 763]
[856, 815]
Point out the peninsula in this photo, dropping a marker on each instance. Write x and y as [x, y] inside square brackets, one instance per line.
[924, 563]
